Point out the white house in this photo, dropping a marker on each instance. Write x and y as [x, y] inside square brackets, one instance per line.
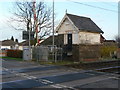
[9, 44]
[79, 37]
[79, 30]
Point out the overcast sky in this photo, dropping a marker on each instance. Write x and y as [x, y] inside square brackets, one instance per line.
[103, 12]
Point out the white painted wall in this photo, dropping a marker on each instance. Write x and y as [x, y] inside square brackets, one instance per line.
[75, 38]
[14, 47]
[20, 47]
[78, 37]
[65, 39]
[88, 37]
[4, 47]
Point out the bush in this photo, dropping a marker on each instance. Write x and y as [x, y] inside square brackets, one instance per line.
[106, 51]
[15, 53]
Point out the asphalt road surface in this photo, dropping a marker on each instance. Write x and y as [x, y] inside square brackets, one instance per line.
[22, 74]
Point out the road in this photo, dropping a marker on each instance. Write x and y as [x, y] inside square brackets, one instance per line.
[22, 74]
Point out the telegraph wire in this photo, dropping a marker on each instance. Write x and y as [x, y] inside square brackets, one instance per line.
[107, 4]
[94, 6]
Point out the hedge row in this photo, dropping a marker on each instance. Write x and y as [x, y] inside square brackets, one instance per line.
[15, 53]
[107, 51]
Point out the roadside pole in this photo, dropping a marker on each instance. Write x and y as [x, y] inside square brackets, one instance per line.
[53, 35]
[30, 45]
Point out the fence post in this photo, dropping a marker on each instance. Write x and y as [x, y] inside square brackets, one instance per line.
[55, 54]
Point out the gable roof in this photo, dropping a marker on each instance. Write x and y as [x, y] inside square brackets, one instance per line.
[8, 43]
[84, 23]
[59, 40]
[26, 43]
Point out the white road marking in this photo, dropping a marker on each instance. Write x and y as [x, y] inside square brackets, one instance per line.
[6, 69]
[62, 86]
[33, 77]
[47, 81]
[50, 82]
[21, 74]
[55, 86]
[39, 80]
[114, 77]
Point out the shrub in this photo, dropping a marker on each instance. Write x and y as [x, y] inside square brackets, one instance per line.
[106, 51]
[15, 53]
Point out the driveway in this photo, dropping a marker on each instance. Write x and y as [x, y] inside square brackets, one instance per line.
[22, 74]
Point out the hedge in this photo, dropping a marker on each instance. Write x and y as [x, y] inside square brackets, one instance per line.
[15, 53]
[106, 51]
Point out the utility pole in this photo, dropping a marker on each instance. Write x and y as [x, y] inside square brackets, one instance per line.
[35, 20]
[30, 44]
[53, 35]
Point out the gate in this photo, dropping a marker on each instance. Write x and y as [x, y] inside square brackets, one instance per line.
[45, 53]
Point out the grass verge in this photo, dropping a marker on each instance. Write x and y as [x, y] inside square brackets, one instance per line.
[57, 63]
[11, 58]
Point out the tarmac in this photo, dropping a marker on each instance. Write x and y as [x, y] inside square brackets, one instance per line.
[25, 74]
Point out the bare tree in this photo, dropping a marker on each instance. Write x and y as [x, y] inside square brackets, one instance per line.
[24, 15]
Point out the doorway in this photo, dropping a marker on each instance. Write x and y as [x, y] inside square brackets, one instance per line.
[69, 42]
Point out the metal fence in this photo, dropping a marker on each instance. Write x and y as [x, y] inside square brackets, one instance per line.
[45, 53]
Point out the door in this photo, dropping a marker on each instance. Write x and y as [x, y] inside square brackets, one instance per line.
[69, 42]
[69, 39]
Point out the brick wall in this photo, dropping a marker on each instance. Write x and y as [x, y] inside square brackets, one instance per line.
[118, 53]
[86, 52]
[89, 52]
[75, 52]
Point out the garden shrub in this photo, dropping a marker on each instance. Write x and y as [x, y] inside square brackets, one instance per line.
[107, 51]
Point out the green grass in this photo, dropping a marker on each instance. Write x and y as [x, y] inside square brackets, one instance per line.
[11, 58]
[57, 63]
[108, 59]
[66, 62]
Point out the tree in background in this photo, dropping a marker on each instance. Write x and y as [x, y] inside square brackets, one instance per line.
[24, 16]
[12, 38]
[16, 40]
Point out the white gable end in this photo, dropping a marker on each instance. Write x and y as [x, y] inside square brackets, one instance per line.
[66, 27]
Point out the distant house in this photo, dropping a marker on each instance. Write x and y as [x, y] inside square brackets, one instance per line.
[102, 39]
[9, 44]
[110, 43]
[25, 44]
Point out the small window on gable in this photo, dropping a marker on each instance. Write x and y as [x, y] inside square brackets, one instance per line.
[67, 23]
